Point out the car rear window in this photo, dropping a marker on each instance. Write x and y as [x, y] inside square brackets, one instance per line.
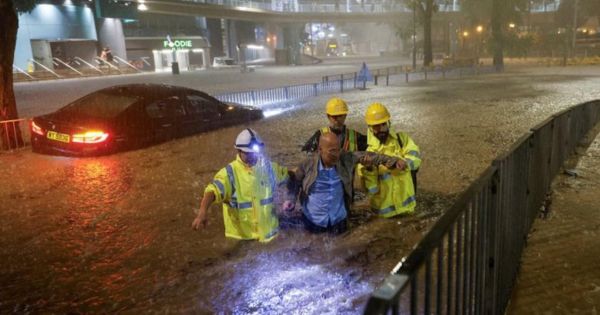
[100, 105]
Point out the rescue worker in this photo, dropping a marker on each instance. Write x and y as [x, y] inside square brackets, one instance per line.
[349, 139]
[391, 191]
[325, 184]
[245, 187]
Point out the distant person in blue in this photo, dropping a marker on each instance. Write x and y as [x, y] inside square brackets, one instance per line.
[324, 183]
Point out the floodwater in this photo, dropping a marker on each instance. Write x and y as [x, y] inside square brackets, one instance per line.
[112, 234]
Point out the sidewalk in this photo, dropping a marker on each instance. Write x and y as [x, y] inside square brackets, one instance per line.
[560, 271]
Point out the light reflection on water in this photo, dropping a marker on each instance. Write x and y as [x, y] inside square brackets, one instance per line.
[289, 284]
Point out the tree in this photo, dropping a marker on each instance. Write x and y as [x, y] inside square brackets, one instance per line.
[500, 13]
[9, 24]
[425, 10]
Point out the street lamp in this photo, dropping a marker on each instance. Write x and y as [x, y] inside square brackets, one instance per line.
[512, 25]
[479, 31]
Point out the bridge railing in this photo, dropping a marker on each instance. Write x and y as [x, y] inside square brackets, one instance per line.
[468, 262]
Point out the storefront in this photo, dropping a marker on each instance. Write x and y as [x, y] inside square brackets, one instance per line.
[157, 53]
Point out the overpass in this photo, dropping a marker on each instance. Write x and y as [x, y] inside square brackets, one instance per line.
[302, 13]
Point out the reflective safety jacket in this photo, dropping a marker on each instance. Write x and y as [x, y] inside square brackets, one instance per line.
[391, 191]
[247, 196]
[350, 140]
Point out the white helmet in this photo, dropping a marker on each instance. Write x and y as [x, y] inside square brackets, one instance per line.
[249, 141]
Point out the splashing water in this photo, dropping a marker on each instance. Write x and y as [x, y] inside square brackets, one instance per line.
[287, 284]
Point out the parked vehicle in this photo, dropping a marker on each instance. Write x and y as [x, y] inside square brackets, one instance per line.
[132, 116]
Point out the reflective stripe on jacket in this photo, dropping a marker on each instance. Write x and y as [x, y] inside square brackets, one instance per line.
[391, 192]
[349, 139]
[247, 197]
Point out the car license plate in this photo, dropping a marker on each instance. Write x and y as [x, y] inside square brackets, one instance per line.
[53, 135]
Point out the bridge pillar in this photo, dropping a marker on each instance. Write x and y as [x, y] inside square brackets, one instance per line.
[292, 36]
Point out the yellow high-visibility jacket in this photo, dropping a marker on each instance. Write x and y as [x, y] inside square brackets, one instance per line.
[350, 139]
[247, 196]
[391, 192]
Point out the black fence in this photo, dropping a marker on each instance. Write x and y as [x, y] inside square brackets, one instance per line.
[395, 75]
[468, 262]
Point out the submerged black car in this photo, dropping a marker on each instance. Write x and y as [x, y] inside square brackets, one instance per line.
[132, 116]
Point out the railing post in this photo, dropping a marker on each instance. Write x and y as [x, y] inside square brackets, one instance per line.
[287, 95]
[406, 74]
[315, 92]
[375, 78]
[491, 276]
[387, 77]
[425, 71]
[355, 77]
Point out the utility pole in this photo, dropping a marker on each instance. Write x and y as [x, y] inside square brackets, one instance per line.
[414, 36]
[574, 33]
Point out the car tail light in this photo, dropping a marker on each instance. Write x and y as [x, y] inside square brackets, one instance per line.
[36, 129]
[90, 137]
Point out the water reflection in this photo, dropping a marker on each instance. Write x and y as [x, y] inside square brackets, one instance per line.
[277, 283]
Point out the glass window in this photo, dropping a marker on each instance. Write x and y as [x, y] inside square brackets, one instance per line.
[100, 105]
[199, 105]
[166, 107]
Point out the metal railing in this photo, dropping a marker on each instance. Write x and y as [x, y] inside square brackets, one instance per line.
[288, 93]
[340, 83]
[468, 262]
[45, 68]
[402, 74]
[14, 133]
[58, 61]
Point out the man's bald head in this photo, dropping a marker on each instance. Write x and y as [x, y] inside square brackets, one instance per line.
[329, 148]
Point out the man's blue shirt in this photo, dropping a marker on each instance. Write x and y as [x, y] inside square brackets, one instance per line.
[325, 203]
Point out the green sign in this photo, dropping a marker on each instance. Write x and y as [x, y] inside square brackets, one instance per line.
[178, 44]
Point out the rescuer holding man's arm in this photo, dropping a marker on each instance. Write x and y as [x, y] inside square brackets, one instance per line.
[391, 191]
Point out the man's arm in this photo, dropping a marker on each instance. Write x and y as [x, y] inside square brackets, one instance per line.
[361, 141]
[313, 143]
[373, 159]
[201, 220]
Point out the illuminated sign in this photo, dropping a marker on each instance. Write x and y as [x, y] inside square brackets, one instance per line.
[178, 44]
[332, 46]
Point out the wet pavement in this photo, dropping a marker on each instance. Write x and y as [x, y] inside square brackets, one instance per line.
[559, 269]
[112, 234]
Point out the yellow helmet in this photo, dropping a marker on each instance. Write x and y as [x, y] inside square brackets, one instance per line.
[336, 106]
[377, 114]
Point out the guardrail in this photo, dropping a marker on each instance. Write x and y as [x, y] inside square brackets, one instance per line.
[13, 133]
[468, 261]
[288, 93]
[340, 83]
[402, 74]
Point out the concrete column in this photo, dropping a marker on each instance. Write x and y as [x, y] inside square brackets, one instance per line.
[110, 34]
[291, 41]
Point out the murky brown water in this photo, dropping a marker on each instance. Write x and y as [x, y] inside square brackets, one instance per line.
[112, 234]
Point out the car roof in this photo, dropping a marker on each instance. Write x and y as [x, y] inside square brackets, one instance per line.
[146, 90]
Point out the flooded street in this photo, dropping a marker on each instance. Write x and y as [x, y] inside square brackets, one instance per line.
[112, 234]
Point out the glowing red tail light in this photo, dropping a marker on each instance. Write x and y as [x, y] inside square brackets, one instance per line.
[90, 137]
[36, 129]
